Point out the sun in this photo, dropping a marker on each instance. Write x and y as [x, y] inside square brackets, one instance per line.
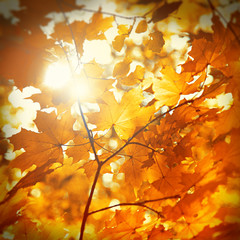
[58, 75]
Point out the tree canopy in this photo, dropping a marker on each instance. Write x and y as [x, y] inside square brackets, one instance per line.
[120, 119]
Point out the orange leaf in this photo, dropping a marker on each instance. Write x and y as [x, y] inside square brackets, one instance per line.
[204, 52]
[168, 90]
[141, 27]
[163, 11]
[124, 224]
[118, 42]
[155, 42]
[133, 169]
[124, 116]
[122, 68]
[134, 77]
[98, 26]
[45, 146]
[8, 210]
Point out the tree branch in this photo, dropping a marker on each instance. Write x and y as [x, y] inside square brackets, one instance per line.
[140, 204]
[86, 210]
[144, 127]
[143, 145]
[89, 132]
[103, 12]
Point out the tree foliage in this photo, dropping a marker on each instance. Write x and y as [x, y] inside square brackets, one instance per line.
[140, 140]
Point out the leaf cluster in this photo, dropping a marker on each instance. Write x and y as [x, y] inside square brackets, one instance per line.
[152, 152]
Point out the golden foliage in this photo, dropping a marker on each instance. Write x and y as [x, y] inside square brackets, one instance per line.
[143, 145]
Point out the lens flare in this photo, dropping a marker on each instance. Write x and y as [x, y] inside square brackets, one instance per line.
[57, 75]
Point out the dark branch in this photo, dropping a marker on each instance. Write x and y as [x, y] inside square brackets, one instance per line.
[140, 204]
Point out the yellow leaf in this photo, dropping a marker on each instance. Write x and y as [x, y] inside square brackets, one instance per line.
[122, 68]
[124, 116]
[156, 42]
[142, 27]
[118, 42]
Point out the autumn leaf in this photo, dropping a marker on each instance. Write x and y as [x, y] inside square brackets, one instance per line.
[155, 42]
[124, 225]
[45, 146]
[206, 52]
[79, 150]
[116, 115]
[62, 32]
[196, 219]
[118, 42]
[158, 233]
[150, 150]
[122, 68]
[98, 26]
[134, 77]
[166, 180]
[133, 167]
[10, 208]
[141, 27]
[163, 11]
[21, 62]
[169, 89]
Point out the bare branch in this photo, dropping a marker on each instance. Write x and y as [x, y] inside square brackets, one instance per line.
[140, 204]
[103, 12]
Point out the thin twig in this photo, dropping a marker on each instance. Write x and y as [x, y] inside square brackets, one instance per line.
[140, 204]
[90, 136]
[144, 127]
[143, 145]
[103, 12]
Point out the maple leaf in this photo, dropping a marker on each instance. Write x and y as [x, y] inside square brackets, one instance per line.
[206, 52]
[79, 150]
[21, 62]
[9, 209]
[124, 225]
[159, 233]
[166, 180]
[98, 26]
[124, 116]
[168, 90]
[134, 77]
[196, 219]
[45, 146]
[133, 169]
[155, 42]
